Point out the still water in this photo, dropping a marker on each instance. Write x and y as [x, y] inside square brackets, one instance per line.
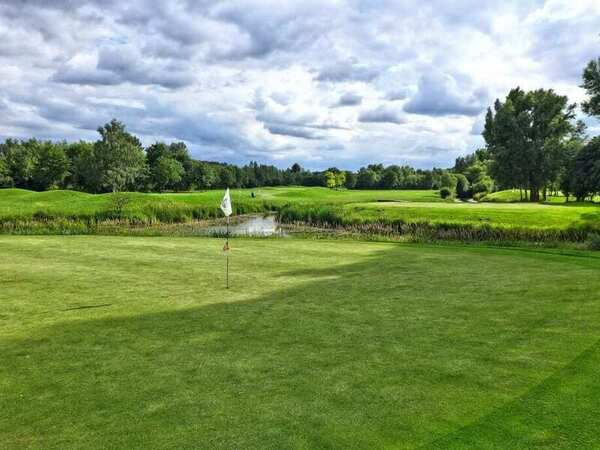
[250, 226]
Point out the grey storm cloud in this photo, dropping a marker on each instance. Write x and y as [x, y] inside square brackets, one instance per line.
[381, 115]
[439, 95]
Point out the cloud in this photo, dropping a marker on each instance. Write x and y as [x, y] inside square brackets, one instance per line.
[292, 131]
[381, 114]
[439, 95]
[349, 99]
[349, 70]
[286, 81]
[121, 64]
[397, 94]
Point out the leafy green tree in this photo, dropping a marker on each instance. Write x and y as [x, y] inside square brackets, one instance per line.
[227, 176]
[167, 173]
[389, 178]
[591, 84]
[19, 161]
[350, 182]
[526, 136]
[203, 175]
[585, 173]
[119, 158]
[448, 180]
[483, 186]
[462, 186]
[340, 179]
[5, 179]
[330, 179]
[366, 179]
[51, 166]
[156, 151]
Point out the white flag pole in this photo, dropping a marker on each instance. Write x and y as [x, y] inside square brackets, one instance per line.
[227, 256]
[227, 210]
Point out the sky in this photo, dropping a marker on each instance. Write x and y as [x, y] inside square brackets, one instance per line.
[319, 82]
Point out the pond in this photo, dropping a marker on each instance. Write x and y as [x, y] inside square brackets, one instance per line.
[253, 225]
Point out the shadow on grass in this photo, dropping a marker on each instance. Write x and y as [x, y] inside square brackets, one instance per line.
[556, 413]
[390, 351]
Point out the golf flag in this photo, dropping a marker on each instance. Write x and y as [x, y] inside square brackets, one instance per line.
[226, 204]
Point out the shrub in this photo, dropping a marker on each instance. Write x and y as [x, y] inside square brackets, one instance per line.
[445, 192]
[593, 241]
[118, 202]
[484, 185]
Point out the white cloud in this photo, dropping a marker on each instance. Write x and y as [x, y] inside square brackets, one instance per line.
[336, 82]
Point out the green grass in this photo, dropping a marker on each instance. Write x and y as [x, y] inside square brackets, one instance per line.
[24, 203]
[110, 342]
[513, 196]
[68, 212]
[515, 214]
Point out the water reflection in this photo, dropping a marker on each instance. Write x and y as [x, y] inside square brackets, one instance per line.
[250, 226]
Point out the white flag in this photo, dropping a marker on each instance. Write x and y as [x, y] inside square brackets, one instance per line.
[226, 203]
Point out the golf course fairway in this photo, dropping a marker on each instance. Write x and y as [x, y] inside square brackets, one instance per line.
[134, 343]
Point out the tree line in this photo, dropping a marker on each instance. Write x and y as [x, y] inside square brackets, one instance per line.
[533, 143]
[117, 161]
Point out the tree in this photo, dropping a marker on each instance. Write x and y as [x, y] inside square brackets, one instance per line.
[482, 186]
[462, 186]
[202, 175]
[340, 179]
[448, 180]
[526, 136]
[227, 176]
[585, 172]
[5, 179]
[591, 84]
[156, 151]
[366, 179]
[167, 173]
[330, 179]
[350, 181]
[51, 166]
[118, 158]
[389, 178]
[19, 162]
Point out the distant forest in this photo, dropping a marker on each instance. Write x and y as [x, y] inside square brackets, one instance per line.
[533, 144]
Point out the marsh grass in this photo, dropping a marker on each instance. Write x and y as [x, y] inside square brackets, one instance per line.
[368, 214]
[428, 231]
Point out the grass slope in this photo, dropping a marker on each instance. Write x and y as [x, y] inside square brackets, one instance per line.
[515, 214]
[111, 342]
[354, 205]
[24, 203]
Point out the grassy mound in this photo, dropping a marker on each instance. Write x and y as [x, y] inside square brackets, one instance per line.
[421, 214]
[134, 343]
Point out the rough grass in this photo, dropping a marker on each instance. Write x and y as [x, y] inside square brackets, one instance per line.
[420, 214]
[513, 196]
[20, 203]
[134, 343]
[467, 222]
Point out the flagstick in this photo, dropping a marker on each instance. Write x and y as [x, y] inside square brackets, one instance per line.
[227, 256]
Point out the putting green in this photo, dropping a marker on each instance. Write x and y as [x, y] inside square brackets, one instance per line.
[114, 342]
